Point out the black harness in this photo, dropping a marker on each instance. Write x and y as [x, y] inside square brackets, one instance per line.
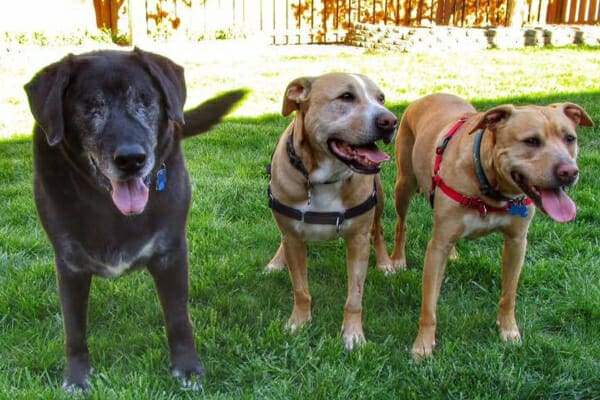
[316, 217]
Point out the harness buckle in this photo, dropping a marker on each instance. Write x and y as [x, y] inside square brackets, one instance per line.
[338, 221]
[482, 209]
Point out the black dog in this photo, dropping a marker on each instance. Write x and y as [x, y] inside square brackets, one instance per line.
[111, 187]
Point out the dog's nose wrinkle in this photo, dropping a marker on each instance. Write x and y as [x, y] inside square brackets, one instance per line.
[130, 158]
[567, 173]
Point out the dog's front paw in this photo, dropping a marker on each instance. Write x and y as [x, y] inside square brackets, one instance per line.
[77, 378]
[353, 339]
[509, 333]
[297, 321]
[422, 348]
[189, 371]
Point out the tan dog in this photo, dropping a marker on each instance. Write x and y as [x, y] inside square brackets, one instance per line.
[522, 151]
[325, 184]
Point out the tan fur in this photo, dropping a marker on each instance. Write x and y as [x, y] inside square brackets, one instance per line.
[320, 115]
[503, 151]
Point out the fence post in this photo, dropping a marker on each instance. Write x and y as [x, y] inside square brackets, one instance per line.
[137, 21]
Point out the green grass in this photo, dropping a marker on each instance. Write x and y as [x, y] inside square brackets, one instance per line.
[239, 313]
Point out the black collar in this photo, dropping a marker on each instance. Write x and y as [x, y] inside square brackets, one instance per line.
[313, 217]
[297, 162]
[484, 184]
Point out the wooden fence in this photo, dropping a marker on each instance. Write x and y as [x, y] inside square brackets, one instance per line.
[307, 21]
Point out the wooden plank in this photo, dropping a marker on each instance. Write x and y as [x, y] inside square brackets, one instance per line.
[582, 11]
[593, 13]
[572, 12]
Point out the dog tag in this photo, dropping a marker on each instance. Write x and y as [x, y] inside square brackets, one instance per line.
[161, 179]
[518, 209]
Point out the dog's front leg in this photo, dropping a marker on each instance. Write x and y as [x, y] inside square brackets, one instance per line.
[433, 275]
[357, 259]
[170, 276]
[513, 256]
[295, 253]
[74, 290]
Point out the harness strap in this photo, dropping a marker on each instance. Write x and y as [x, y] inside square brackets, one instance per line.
[513, 206]
[323, 218]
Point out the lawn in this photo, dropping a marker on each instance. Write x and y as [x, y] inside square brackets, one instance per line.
[239, 313]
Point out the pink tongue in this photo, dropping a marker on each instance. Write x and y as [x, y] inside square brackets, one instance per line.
[558, 205]
[373, 154]
[130, 196]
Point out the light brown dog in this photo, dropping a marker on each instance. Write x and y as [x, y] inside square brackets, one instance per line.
[325, 184]
[491, 166]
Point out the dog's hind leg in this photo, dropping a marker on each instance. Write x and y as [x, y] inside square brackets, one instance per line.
[405, 188]
[278, 262]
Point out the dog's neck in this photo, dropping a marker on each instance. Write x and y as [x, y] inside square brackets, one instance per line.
[489, 179]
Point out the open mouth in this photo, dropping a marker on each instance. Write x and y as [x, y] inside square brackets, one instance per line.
[130, 196]
[554, 202]
[364, 158]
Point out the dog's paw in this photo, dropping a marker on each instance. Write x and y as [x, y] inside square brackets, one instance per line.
[273, 267]
[453, 253]
[77, 379]
[76, 388]
[399, 264]
[392, 268]
[188, 370]
[422, 349]
[295, 323]
[353, 340]
[510, 335]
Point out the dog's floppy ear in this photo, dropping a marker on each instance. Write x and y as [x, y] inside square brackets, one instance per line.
[170, 79]
[575, 113]
[297, 91]
[490, 118]
[45, 93]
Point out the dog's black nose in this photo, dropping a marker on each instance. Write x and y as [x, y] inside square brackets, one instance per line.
[386, 124]
[567, 173]
[130, 158]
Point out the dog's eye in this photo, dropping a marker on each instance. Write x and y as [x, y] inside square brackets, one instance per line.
[94, 105]
[382, 98]
[347, 96]
[569, 138]
[532, 142]
[144, 98]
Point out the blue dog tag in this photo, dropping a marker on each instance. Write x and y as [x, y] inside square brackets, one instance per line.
[518, 209]
[161, 179]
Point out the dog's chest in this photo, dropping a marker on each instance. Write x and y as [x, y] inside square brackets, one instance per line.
[111, 261]
[475, 226]
[323, 198]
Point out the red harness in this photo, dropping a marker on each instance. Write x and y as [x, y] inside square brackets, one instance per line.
[514, 206]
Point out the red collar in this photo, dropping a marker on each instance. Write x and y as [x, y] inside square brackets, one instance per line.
[514, 206]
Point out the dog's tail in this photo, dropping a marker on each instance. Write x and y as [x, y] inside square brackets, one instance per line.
[203, 117]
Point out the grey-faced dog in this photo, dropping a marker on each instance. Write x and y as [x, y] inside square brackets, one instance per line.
[111, 187]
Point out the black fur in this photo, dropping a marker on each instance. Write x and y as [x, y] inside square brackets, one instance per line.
[106, 117]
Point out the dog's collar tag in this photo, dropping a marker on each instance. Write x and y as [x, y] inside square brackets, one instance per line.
[518, 209]
[161, 178]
